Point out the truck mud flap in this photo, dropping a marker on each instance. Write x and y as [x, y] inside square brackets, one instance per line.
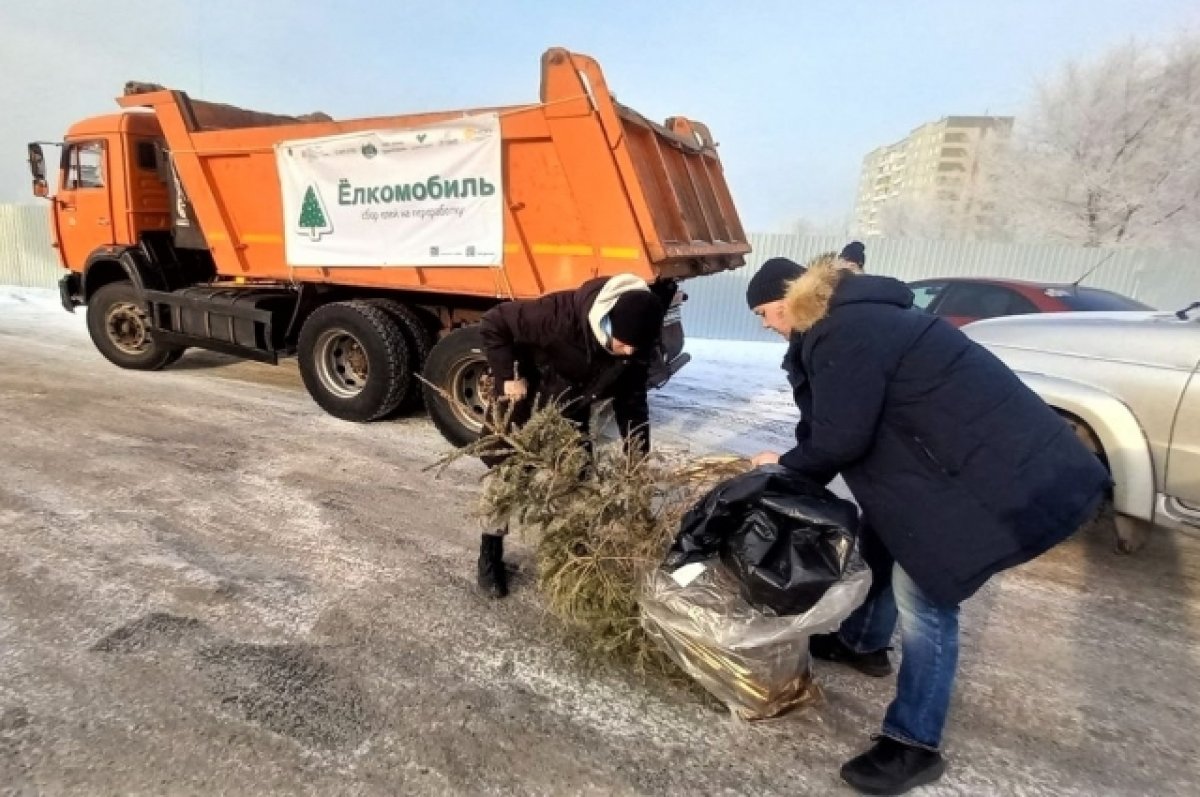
[244, 322]
[69, 291]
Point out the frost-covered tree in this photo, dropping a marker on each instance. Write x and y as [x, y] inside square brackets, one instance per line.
[1109, 152]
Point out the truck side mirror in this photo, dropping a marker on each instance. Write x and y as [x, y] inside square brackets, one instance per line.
[37, 162]
[37, 167]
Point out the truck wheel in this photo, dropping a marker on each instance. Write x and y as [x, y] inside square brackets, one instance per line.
[458, 367]
[354, 360]
[120, 329]
[418, 334]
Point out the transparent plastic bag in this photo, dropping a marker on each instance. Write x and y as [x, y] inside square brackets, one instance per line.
[756, 663]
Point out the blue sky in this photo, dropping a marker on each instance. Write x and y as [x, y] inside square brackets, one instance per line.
[796, 92]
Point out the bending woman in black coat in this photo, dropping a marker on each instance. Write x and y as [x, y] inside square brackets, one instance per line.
[577, 347]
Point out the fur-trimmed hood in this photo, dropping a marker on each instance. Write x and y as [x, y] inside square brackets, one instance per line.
[825, 285]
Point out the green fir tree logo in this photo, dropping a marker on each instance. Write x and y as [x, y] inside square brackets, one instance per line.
[314, 221]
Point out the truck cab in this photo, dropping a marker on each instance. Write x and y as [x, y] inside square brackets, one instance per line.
[110, 189]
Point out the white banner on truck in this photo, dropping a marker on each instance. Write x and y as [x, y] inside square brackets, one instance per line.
[429, 196]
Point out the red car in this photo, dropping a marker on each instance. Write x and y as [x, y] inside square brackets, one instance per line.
[961, 300]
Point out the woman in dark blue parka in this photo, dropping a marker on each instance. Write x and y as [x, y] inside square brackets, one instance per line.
[960, 470]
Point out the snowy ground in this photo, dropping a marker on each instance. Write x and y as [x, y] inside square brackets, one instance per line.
[207, 585]
[732, 397]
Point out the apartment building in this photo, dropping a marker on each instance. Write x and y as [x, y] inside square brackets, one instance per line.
[939, 166]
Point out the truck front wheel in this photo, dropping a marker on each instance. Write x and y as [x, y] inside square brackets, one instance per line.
[354, 360]
[120, 329]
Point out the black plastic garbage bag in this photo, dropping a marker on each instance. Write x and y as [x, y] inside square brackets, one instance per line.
[785, 538]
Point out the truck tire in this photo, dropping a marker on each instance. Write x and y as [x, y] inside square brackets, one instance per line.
[354, 360]
[120, 328]
[419, 336]
[457, 369]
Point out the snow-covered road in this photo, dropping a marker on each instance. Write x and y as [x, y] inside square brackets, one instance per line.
[209, 586]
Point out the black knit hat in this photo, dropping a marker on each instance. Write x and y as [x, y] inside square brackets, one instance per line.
[855, 252]
[771, 281]
[637, 318]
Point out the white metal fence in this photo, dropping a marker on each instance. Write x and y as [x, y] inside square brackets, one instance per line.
[716, 307]
[26, 255]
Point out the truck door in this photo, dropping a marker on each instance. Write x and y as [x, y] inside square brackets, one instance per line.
[83, 203]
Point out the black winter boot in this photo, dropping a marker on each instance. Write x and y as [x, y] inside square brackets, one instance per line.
[492, 578]
[892, 767]
[830, 647]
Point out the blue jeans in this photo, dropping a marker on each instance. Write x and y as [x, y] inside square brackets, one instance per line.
[929, 657]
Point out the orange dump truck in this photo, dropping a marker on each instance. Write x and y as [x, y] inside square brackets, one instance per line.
[368, 248]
